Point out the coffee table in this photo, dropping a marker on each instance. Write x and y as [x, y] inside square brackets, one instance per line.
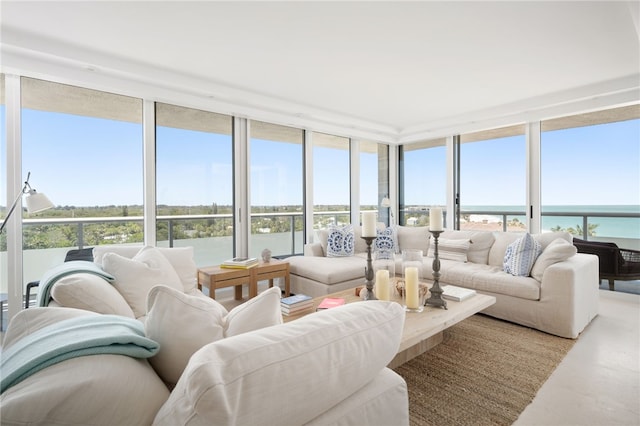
[423, 330]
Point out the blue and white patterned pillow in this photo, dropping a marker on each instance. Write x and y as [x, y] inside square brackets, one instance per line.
[340, 242]
[386, 239]
[521, 255]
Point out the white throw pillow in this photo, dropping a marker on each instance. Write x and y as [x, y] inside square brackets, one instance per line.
[331, 354]
[181, 324]
[123, 250]
[451, 249]
[341, 241]
[90, 292]
[96, 389]
[181, 258]
[136, 277]
[558, 250]
[259, 312]
[521, 255]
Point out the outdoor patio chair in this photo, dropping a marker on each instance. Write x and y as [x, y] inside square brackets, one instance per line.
[75, 254]
[615, 263]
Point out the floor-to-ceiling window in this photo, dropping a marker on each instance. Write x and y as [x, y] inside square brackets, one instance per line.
[84, 151]
[194, 182]
[331, 180]
[590, 167]
[276, 189]
[423, 180]
[493, 179]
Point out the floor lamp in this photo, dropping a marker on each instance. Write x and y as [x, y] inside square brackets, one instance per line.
[386, 202]
[36, 202]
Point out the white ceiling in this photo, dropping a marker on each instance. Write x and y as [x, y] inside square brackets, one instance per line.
[389, 71]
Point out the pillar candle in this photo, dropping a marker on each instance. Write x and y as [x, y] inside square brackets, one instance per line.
[368, 224]
[383, 290]
[411, 287]
[435, 219]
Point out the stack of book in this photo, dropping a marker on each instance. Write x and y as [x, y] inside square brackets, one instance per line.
[457, 294]
[330, 302]
[296, 304]
[240, 263]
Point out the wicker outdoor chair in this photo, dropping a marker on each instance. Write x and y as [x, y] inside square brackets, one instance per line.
[615, 263]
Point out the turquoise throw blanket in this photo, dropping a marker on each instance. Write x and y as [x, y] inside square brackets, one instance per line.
[67, 268]
[74, 337]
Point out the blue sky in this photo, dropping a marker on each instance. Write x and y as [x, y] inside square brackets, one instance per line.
[592, 165]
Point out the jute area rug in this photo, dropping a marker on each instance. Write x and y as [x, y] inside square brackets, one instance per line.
[485, 372]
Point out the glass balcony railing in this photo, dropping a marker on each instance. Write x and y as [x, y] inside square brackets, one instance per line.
[46, 241]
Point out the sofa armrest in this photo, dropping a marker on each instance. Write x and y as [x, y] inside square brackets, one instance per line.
[313, 249]
[572, 287]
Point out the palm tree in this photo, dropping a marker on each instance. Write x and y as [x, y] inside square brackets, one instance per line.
[591, 230]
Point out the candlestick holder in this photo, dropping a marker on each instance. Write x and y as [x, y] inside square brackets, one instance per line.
[435, 299]
[368, 271]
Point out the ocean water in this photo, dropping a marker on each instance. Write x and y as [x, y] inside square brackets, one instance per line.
[614, 227]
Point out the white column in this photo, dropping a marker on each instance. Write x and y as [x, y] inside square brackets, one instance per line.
[308, 186]
[354, 174]
[242, 218]
[149, 171]
[451, 187]
[534, 198]
[15, 183]
[393, 182]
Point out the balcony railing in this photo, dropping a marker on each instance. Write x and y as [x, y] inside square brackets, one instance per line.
[288, 241]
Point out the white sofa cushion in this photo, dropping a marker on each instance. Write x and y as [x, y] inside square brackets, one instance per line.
[135, 277]
[181, 258]
[96, 389]
[328, 270]
[90, 292]
[413, 237]
[499, 247]
[546, 238]
[558, 250]
[314, 362]
[489, 279]
[521, 255]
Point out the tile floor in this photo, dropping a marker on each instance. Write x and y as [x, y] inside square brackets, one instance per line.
[598, 382]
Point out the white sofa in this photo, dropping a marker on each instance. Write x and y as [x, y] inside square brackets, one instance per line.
[559, 297]
[210, 366]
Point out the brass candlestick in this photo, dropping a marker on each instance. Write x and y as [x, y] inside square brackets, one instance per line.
[368, 271]
[436, 292]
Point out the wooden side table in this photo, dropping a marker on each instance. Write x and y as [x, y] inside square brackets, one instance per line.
[215, 277]
[273, 269]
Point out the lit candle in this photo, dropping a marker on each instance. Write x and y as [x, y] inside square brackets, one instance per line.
[411, 287]
[383, 290]
[435, 219]
[368, 224]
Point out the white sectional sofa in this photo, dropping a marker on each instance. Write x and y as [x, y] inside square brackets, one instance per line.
[185, 359]
[559, 296]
